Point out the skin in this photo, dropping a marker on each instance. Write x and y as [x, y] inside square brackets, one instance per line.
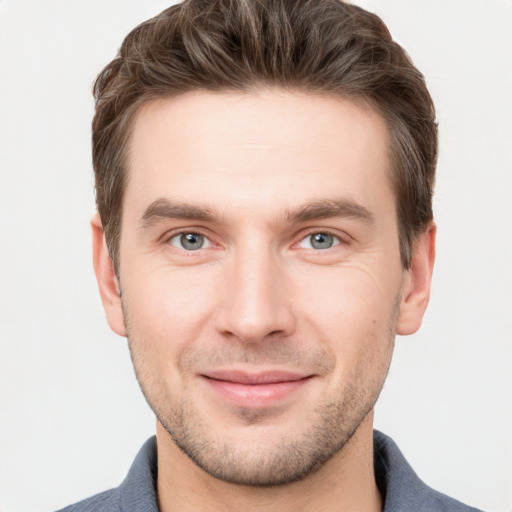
[254, 176]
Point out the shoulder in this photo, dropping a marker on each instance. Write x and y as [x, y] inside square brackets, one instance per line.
[402, 489]
[106, 501]
[137, 492]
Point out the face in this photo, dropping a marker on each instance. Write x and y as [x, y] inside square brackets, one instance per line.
[260, 276]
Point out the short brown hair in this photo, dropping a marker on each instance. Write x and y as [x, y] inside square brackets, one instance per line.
[320, 46]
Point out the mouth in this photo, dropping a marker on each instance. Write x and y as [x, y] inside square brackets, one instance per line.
[255, 390]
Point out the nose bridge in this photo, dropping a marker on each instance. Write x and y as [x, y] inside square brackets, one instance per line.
[255, 302]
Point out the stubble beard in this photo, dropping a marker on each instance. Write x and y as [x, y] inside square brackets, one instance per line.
[281, 462]
[282, 459]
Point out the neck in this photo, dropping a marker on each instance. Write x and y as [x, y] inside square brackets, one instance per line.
[345, 483]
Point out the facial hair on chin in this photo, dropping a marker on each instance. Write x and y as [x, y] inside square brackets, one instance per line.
[266, 462]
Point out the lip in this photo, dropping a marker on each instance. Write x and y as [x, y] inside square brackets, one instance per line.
[258, 390]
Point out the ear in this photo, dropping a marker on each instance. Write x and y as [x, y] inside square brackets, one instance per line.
[416, 285]
[108, 283]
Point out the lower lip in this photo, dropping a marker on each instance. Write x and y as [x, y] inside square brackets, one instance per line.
[255, 395]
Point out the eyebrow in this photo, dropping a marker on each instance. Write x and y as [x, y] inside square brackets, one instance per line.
[322, 209]
[165, 209]
[327, 208]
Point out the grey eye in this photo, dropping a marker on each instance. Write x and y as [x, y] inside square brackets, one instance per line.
[322, 241]
[319, 241]
[189, 241]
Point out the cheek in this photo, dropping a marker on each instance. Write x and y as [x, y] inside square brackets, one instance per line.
[167, 310]
[352, 311]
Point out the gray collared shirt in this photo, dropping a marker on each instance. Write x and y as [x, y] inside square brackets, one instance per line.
[402, 490]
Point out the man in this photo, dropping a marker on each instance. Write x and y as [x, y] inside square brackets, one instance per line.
[264, 177]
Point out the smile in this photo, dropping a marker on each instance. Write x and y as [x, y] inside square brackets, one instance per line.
[255, 390]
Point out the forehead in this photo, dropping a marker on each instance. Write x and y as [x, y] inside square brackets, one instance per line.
[256, 150]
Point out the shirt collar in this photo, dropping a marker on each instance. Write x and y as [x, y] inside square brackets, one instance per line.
[401, 489]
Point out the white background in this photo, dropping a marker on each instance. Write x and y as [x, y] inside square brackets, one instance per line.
[72, 417]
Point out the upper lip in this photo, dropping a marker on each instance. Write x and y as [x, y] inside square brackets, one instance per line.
[264, 377]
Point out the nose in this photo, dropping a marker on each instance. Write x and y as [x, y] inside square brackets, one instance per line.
[255, 301]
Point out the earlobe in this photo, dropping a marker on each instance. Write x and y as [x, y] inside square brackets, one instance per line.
[108, 283]
[417, 280]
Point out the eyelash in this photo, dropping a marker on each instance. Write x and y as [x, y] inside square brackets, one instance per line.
[338, 240]
[197, 233]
